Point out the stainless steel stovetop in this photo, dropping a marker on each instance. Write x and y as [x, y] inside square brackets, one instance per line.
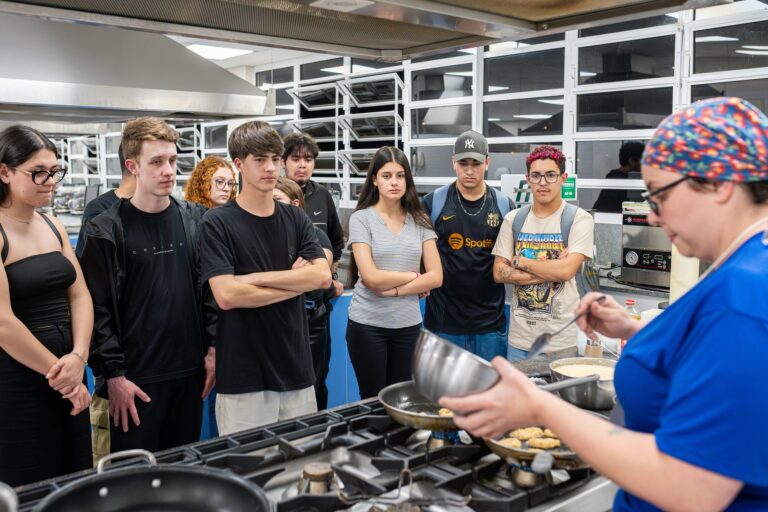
[356, 458]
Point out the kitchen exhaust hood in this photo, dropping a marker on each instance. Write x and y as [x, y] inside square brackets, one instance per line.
[63, 73]
[385, 30]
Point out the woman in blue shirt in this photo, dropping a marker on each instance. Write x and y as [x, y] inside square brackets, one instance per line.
[693, 381]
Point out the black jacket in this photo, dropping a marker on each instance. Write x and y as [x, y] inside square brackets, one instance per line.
[103, 263]
[322, 212]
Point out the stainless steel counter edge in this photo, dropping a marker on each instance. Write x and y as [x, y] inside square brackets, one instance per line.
[595, 496]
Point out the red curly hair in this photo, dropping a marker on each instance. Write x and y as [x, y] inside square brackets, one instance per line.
[546, 153]
[198, 189]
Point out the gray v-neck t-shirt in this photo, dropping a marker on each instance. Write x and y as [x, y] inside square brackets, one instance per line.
[399, 252]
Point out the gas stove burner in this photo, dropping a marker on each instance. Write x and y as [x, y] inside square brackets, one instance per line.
[524, 477]
[318, 478]
[413, 496]
[439, 439]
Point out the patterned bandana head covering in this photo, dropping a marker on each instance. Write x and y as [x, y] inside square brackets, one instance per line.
[721, 139]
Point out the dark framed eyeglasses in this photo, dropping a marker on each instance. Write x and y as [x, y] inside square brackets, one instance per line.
[654, 205]
[549, 177]
[223, 184]
[41, 177]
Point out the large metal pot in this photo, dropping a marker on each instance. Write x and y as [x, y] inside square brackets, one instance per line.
[8, 500]
[156, 487]
[597, 395]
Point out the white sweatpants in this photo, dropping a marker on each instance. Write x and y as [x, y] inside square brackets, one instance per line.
[249, 410]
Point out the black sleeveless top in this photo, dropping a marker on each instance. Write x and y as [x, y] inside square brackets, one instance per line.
[38, 284]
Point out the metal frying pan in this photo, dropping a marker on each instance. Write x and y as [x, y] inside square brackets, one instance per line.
[564, 457]
[407, 406]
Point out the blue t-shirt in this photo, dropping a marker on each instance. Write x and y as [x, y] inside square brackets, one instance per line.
[696, 378]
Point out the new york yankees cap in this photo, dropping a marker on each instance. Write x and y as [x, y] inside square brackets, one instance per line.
[471, 144]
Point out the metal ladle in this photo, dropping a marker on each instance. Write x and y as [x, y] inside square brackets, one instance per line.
[542, 340]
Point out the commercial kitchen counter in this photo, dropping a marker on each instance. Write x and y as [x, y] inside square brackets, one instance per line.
[540, 364]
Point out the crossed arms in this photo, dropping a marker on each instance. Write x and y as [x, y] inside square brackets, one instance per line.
[530, 271]
[264, 288]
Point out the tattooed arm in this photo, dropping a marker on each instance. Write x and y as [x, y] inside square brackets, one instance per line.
[503, 272]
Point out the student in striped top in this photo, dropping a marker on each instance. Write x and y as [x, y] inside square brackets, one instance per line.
[391, 237]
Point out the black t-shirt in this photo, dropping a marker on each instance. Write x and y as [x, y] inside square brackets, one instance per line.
[469, 301]
[158, 314]
[265, 348]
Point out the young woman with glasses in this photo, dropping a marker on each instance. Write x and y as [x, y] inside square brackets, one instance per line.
[391, 236]
[692, 381]
[46, 319]
[212, 183]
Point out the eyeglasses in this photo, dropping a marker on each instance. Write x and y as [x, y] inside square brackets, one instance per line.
[550, 177]
[41, 177]
[654, 205]
[223, 184]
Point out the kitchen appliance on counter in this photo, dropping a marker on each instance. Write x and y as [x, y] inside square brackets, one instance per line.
[646, 252]
[357, 458]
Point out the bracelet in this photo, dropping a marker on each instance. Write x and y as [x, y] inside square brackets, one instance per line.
[417, 275]
[85, 361]
[397, 292]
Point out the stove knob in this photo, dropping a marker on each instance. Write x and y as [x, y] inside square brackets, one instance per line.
[542, 463]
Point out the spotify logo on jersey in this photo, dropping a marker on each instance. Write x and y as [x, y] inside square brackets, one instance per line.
[456, 241]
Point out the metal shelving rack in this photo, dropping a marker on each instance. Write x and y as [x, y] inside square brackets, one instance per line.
[83, 160]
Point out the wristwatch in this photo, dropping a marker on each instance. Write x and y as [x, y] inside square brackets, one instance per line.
[335, 276]
[515, 261]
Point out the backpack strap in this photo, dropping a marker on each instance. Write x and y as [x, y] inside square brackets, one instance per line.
[502, 202]
[438, 202]
[4, 253]
[53, 227]
[517, 223]
[566, 221]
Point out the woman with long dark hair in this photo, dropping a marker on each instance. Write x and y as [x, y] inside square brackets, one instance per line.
[46, 319]
[391, 237]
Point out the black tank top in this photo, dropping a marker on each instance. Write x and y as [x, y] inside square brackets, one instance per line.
[38, 284]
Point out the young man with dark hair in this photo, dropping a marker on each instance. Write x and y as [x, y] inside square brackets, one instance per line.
[539, 250]
[610, 200]
[299, 157]
[468, 308]
[260, 256]
[154, 320]
[104, 201]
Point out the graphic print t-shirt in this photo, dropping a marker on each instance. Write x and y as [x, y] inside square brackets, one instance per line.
[548, 306]
[158, 312]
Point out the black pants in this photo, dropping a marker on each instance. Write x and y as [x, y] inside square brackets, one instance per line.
[172, 418]
[38, 437]
[380, 356]
[320, 343]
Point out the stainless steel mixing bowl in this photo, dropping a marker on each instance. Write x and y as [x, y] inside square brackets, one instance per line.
[441, 368]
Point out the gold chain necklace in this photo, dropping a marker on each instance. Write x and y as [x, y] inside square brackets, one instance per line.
[17, 219]
[458, 197]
